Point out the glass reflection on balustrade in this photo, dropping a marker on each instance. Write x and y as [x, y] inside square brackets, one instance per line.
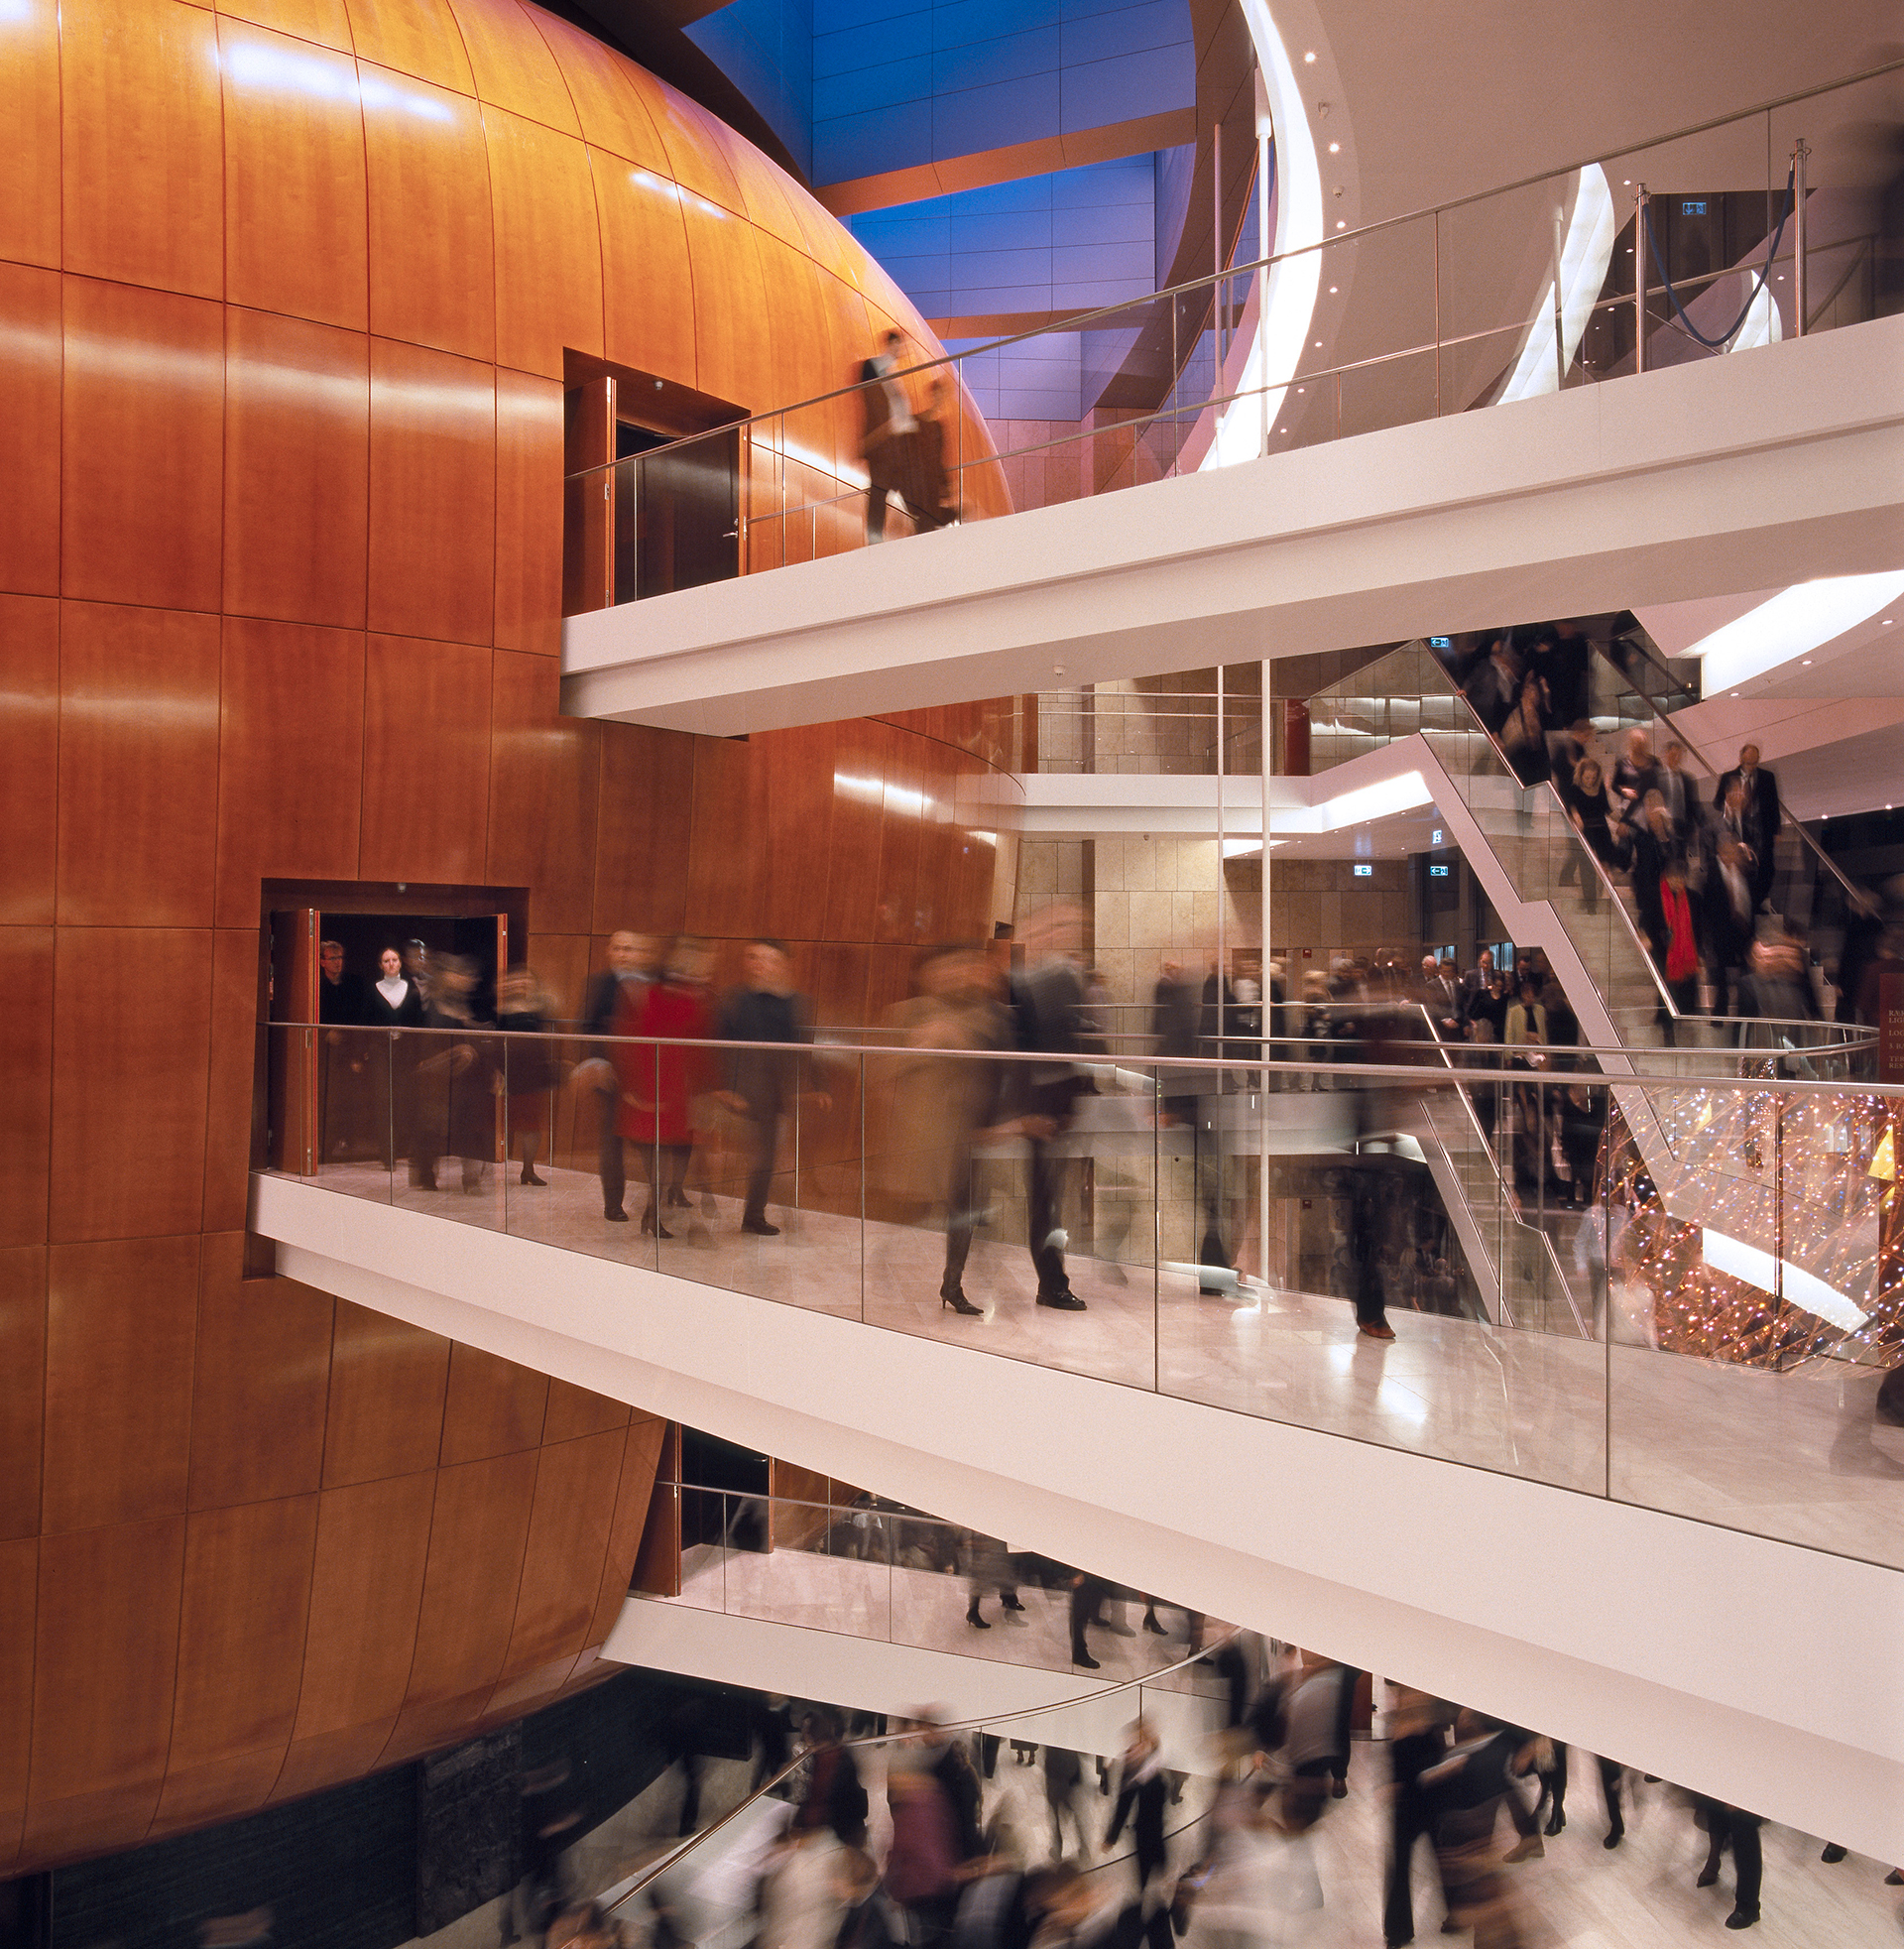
[1609, 1281]
[867, 1569]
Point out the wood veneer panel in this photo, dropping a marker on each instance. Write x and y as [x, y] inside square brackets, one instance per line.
[290, 745]
[415, 37]
[30, 354]
[433, 493]
[512, 63]
[644, 250]
[131, 1039]
[646, 822]
[720, 879]
[294, 212]
[142, 436]
[30, 704]
[367, 1580]
[548, 255]
[19, 1579]
[323, 20]
[141, 162]
[247, 1593]
[543, 782]
[640, 1463]
[296, 511]
[121, 1326]
[431, 266]
[25, 1103]
[605, 89]
[696, 156]
[577, 1411]
[261, 1378]
[852, 865]
[733, 330]
[235, 1009]
[137, 765]
[477, 1536]
[106, 1648]
[494, 1407]
[794, 838]
[528, 518]
[22, 1363]
[902, 834]
[763, 185]
[801, 346]
[385, 1415]
[426, 821]
[219, 1790]
[574, 1511]
[29, 156]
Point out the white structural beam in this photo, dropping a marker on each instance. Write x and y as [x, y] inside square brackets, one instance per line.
[1742, 472]
[1750, 1669]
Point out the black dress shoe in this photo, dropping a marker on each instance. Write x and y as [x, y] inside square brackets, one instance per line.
[616, 1217]
[1833, 1852]
[1742, 1919]
[1615, 1835]
[760, 1228]
[1150, 1623]
[1085, 1660]
[1012, 1604]
[1556, 1821]
[1063, 1302]
[529, 1177]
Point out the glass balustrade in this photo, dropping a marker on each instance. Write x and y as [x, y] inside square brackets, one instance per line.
[1593, 1277]
[1550, 282]
[868, 1569]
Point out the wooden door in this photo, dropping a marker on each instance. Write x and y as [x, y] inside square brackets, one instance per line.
[293, 1134]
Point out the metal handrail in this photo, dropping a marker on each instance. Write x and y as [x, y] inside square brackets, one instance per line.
[673, 1856]
[1241, 1065]
[1083, 320]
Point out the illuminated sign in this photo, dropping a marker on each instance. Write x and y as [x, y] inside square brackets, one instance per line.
[1365, 872]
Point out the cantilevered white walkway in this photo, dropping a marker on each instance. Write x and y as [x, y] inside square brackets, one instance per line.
[1734, 473]
[1755, 1669]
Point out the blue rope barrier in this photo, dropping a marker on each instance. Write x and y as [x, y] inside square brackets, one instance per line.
[1726, 337]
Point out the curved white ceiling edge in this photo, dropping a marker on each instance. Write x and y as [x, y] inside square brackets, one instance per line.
[1584, 254]
[1282, 328]
[1793, 623]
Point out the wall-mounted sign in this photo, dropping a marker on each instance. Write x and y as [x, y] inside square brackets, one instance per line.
[1436, 873]
[1365, 872]
[1693, 208]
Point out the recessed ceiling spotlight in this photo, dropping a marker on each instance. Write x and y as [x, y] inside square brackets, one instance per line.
[1335, 149]
[1734, 693]
[1626, 182]
[1888, 620]
[1332, 291]
[1310, 55]
[1339, 224]
[1318, 345]
[1302, 388]
[1806, 665]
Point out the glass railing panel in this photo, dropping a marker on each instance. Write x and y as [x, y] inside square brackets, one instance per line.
[1760, 1289]
[1224, 1226]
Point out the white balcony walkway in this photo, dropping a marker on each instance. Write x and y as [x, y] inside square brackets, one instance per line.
[1705, 479]
[1755, 1669]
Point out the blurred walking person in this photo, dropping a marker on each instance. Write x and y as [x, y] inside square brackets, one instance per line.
[764, 1085]
[631, 965]
[530, 1067]
[662, 1074]
[456, 1078]
[889, 441]
[1047, 1000]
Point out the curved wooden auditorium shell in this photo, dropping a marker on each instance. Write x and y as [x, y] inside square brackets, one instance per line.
[291, 293]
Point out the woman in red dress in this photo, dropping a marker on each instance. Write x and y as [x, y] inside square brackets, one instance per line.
[662, 1077]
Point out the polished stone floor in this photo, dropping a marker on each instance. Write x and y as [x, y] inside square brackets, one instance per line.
[1795, 1456]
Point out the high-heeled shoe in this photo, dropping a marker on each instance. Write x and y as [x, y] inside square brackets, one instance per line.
[530, 1177]
[652, 1229]
[960, 1303]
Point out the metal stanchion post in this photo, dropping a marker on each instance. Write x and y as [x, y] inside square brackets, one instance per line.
[1639, 278]
[1801, 292]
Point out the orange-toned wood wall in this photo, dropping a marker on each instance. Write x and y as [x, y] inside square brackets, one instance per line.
[285, 291]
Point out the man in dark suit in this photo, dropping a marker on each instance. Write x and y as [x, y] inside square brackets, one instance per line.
[1047, 1000]
[1754, 815]
[1441, 994]
[763, 1085]
[888, 441]
[631, 963]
